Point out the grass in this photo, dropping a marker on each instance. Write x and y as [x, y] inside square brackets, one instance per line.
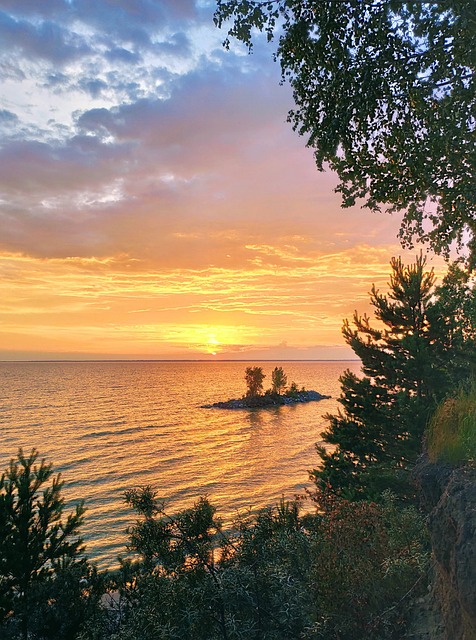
[452, 430]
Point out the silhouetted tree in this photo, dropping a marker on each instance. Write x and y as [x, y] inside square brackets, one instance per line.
[254, 377]
[279, 380]
[37, 547]
[385, 94]
[415, 355]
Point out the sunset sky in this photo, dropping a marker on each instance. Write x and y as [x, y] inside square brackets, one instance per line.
[155, 203]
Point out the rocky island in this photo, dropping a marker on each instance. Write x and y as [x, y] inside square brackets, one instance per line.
[266, 400]
[278, 395]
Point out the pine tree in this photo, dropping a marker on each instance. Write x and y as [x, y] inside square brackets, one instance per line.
[35, 544]
[418, 352]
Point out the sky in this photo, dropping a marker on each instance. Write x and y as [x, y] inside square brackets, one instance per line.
[154, 201]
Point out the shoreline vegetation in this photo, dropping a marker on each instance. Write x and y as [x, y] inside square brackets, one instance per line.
[278, 395]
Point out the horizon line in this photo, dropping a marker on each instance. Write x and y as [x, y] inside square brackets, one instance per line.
[43, 360]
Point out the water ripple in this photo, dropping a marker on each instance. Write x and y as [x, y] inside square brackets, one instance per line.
[111, 426]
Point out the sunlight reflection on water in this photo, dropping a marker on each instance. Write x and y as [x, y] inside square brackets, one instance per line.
[111, 426]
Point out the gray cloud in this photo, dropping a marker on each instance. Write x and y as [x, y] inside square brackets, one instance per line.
[57, 80]
[46, 40]
[7, 117]
[159, 162]
[177, 45]
[106, 40]
[93, 86]
[122, 21]
[34, 170]
[33, 8]
[122, 55]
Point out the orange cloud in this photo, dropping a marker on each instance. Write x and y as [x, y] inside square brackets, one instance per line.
[117, 305]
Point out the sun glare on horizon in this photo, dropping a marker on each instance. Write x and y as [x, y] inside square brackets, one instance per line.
[212, 344]
[210, 340]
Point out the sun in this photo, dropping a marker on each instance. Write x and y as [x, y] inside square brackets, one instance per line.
[213, 340]
[212, 344]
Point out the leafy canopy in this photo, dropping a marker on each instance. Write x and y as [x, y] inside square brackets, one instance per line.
[279, 380]
[385, 95]
[274, 575]
[254, 377]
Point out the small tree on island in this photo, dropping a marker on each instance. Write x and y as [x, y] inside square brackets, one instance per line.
[279, 380]
[254, 377]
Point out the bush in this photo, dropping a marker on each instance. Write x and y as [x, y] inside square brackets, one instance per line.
[293, 390]
[342, 572]
[452, 429]
[367, 557]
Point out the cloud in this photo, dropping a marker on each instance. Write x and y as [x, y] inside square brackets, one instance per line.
[93, 86]
[113, 52]
[96, 301]
[151, 189]
[44, 41]
[8, 118]
[167, 163]
[35, 170]
[33, 9]
[122, 305]
[122, 55]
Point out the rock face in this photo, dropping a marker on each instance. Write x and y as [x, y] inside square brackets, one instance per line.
[449, 497]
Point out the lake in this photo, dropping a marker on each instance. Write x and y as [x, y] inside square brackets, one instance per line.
[112, 426]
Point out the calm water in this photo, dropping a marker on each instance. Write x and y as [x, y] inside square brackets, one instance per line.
[112, 426]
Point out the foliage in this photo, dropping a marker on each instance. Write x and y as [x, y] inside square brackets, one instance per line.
[173, 542]
[294, 391]
[339, 572]
[42, 593]
[451, 433]
[342, 571]
[366, 558]
[67, 602]
[254, 377]
[418, 353]
[179, 568]
[455, 317]
[279, 380]
[275, 395]
[268, 574]
[385, 95]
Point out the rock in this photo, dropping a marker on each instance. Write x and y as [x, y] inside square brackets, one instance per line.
[267, 400]
[449, 495]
